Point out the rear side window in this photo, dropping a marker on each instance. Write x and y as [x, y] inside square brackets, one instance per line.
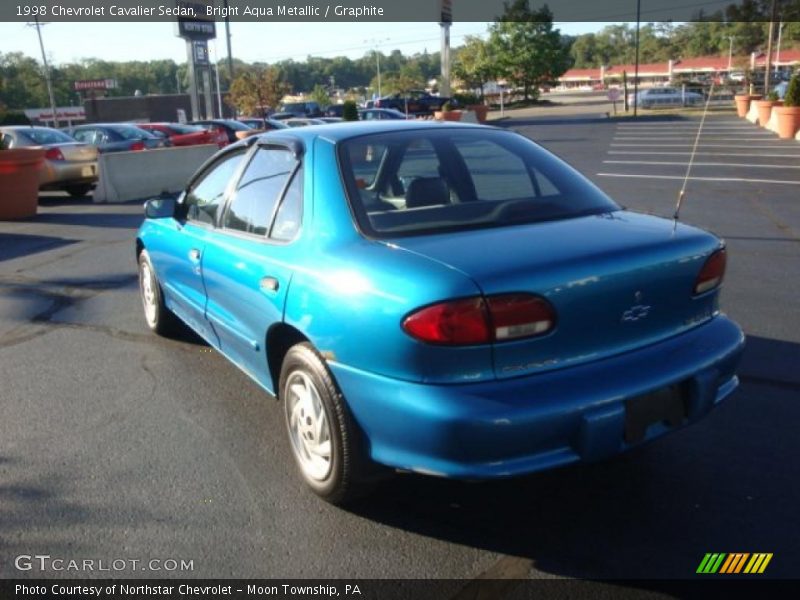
[253, 204]
[430, 180]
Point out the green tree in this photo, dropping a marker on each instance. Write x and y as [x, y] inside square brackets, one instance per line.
[473, 64]
[528, 50]
[320, 95]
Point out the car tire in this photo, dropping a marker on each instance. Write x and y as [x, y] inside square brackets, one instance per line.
[158, 317]
[324, 439]
[76, 191]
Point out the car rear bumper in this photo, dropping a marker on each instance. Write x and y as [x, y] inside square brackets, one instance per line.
[511, 427]
[60, 173]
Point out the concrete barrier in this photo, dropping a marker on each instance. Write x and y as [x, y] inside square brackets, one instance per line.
[125, 176]
[772, 124]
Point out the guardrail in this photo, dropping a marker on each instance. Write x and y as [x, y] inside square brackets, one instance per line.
[125, 176]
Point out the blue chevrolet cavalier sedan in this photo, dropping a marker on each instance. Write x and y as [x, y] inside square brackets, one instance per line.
[441, 298]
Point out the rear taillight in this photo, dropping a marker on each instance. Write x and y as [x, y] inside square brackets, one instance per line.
[459, 322]
[711, 274]
[477, 320]
[136, 146]
[54, 154]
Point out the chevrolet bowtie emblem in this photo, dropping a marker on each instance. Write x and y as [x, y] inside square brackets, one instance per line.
[635, 313]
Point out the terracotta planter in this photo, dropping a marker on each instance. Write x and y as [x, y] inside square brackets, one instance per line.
[743, 103]
[481, 111]
[788, 121]
[448, 115]
[19, 182]
[764, 108]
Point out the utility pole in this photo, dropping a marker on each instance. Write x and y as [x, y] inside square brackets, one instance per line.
[46, 71]
[446, 19]
[228, 41]
[768, 63]
[636, 66]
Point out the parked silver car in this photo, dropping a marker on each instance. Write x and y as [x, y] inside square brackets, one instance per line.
[69, 165]
[665, 96]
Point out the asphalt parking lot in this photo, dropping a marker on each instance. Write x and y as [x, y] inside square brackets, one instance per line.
[117, 444]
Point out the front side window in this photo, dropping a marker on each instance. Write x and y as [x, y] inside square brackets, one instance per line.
[205, 196]
[426, 181]
[253, 204]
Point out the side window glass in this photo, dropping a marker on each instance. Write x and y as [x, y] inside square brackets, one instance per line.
[261, 185]
[203, 200]
[289, 217]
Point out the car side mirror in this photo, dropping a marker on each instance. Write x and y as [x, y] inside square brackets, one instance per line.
[159, 208]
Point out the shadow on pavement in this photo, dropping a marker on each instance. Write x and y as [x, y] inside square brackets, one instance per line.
[14, 245]
[726, 484]
[124, 221]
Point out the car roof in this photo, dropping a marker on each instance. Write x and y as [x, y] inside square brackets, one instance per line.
[127, 124]
[337, 132]
[21, 127]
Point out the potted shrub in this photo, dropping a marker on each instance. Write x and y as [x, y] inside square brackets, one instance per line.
[349, 111]
[743, 102]
[447, 113]
[789, 113]
[19, 181]
[764, 108]
[744, 98]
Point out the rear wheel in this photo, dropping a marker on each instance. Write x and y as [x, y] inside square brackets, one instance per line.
[78, 190]
[158, 317]
[325, 441]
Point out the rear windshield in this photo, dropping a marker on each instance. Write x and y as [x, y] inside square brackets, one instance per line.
[42, 136]
[181, 129]
[444, 179]
[131, 133]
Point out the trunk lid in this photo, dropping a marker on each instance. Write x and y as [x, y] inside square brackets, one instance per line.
[618, 281]
[78, 152]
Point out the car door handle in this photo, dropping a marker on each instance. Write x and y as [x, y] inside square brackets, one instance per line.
[194, 255]
[269, 284]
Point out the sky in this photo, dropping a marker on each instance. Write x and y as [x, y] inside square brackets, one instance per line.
[264, 42]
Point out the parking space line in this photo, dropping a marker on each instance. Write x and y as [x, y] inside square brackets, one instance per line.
[639, 152]
[699, 164]
[649, 127]
[681, 177]
[689, 145]
[713, 138]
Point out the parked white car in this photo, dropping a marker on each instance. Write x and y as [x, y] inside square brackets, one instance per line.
[665, 96]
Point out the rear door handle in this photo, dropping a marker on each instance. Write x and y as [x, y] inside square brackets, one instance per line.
[194, 255]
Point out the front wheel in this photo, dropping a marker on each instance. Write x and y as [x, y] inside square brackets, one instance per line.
[158, 317]
[325, 441]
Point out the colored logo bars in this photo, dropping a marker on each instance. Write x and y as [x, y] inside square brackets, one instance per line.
[742, 562]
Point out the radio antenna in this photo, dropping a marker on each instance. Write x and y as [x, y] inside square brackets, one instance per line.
[682, 193]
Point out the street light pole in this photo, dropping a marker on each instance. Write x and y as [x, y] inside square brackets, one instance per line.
[374, 43]
[46, 72]
[378, 61]
[730, 55]
[768, 62]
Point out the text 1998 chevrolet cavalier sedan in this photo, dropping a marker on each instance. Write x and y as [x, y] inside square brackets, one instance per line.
[441, 298]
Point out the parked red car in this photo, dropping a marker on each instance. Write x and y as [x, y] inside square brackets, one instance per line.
[186, 135]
